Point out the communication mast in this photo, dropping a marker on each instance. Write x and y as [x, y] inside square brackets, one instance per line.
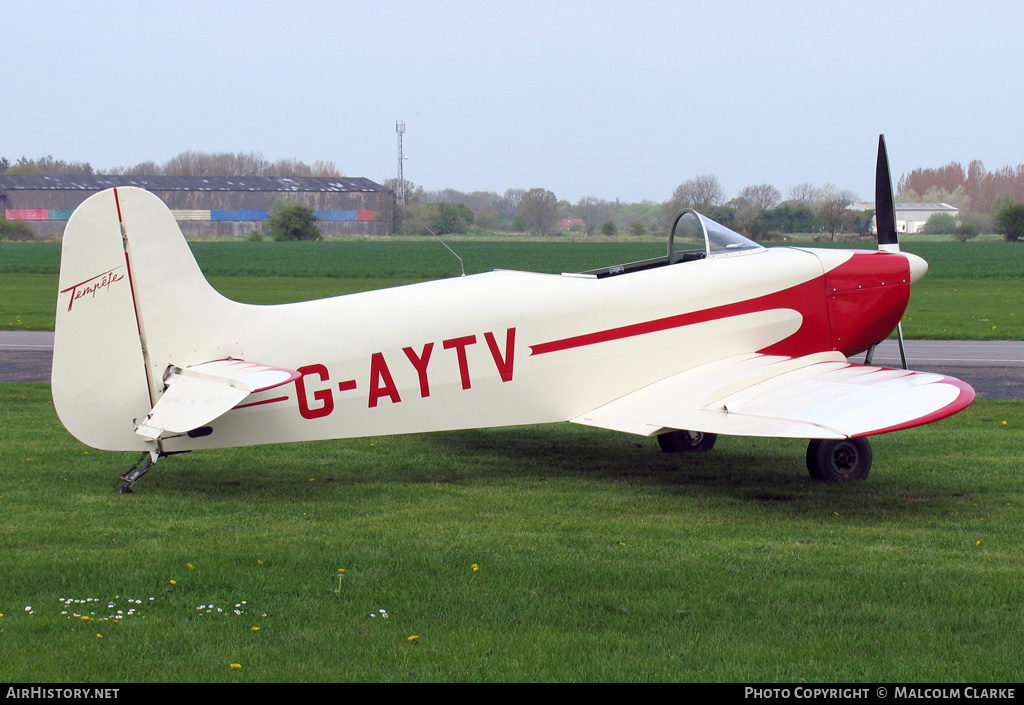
[400, 189]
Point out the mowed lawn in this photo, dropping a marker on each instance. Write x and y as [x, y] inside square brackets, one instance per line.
[548, 553]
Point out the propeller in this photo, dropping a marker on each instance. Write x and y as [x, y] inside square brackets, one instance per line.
[885, 227]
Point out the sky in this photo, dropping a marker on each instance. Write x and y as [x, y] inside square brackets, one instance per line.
[615, 100]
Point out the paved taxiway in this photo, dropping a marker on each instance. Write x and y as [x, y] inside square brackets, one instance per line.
[994, 368]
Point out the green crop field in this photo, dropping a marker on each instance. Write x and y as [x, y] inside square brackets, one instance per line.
[973, 291]
[551, 553]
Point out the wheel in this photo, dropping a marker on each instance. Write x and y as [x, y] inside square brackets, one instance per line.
[687, 441]
[839, 461]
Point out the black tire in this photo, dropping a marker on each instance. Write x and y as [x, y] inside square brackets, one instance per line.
[687, 441]
[844, 460]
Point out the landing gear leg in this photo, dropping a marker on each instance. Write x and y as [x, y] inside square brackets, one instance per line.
[135, 473]
[687, 441]
[839, 461]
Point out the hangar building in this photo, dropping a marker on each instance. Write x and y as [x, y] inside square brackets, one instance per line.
[207, 206]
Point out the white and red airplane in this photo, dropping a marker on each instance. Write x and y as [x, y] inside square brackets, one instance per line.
[720, 336]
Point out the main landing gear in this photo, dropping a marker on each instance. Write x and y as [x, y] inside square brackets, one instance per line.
[687, 441]
[841, 460]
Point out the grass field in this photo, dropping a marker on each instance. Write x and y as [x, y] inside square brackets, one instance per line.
[600, 559]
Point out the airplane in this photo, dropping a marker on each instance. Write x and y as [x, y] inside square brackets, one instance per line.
[719, 336]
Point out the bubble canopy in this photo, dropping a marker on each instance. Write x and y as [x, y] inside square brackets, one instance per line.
[694, 233]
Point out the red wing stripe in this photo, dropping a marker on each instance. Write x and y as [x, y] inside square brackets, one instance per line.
[962, 401]
[259, 403]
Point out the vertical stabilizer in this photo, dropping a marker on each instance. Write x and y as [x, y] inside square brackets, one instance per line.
[127, 281]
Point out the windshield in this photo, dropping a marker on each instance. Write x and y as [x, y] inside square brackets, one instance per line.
[694, 236]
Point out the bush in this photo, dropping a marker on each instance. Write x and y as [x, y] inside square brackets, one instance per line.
[970, 225]
[292, 220]
[15, 230]
[1010, 222]
[940, 224]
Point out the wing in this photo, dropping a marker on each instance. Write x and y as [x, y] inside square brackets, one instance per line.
[196, 395]
[816, 396]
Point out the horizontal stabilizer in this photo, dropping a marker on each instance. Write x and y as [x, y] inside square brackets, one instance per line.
[817, 396]
[196, 395]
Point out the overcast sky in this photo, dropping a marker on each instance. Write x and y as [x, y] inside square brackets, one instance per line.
[608, 99]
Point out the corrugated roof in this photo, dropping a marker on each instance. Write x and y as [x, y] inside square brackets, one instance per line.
[870, 205]
[925, 207]
[42, 182]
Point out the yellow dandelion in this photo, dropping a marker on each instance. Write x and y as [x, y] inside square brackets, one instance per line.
[99, 636]
[86, 618]
[255, 629]
[476, 568]
[341, 570]
[978, 544]
[414, 637]
[174, 582]
[236, 665]
[191, 567]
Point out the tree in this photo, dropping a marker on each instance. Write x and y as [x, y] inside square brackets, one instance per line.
[449, 217]
[609, 229]
[803, 194]
[699, 193]
[592, 211]
[1010, 222]
[832, 206]
[764, 196]
[292, 220]
[539, 210]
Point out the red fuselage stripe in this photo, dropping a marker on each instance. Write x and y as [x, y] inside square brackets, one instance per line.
[796, 297]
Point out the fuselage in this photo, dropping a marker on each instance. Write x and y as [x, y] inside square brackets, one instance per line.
[508, 348]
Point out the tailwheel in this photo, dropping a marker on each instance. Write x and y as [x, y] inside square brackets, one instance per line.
[687, 441]
[839, 461]
[135, 472]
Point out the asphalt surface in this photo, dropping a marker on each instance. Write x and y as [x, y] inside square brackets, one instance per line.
[994, 368]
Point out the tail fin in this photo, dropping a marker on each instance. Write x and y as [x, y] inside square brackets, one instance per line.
[127, 282]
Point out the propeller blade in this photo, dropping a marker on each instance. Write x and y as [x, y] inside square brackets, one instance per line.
[885, 208]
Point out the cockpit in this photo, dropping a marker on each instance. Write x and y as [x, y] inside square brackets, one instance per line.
[692, 237]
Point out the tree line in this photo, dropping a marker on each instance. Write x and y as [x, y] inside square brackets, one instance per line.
[189, 163]
[757, 211]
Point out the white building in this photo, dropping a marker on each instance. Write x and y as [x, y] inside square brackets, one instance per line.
[911, 217]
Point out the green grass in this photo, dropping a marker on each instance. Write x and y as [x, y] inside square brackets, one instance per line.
[600, 558]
